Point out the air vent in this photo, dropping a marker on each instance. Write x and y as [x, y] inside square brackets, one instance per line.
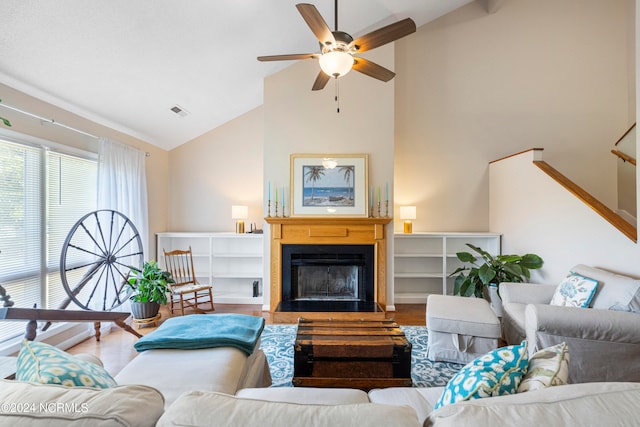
[179, 110]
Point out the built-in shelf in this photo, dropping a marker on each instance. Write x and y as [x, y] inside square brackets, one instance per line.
[230, 262]
[423, 261]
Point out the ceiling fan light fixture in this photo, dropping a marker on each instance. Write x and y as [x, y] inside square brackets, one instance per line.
[337, 48]
[336, 63]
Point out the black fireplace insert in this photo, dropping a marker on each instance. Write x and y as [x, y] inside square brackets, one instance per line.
[328, 278]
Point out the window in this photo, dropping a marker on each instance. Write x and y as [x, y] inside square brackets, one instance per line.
[43, 192]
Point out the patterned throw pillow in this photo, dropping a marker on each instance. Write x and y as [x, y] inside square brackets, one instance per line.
[42, 363]
[575, 291]
[547, 367]
[496, 373]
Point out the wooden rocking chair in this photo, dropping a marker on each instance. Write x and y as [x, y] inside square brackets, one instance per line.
[186, 291]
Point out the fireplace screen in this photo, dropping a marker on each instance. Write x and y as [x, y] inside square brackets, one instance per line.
[327, 273]
[331, 282]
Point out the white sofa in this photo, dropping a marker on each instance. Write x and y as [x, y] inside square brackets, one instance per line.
[592, 404]
[225, 387]
[603, 340]
[173, 372]
[141, 406]
[147, 385]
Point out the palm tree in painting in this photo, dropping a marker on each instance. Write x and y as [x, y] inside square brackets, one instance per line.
[347, 171]
[312, 174]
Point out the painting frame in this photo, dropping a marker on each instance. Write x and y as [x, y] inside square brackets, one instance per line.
[316, 190]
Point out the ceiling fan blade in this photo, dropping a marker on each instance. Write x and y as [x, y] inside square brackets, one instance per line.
[317, 24]
[321, 81]
[372, 69]
[384, 35]
[290, 57]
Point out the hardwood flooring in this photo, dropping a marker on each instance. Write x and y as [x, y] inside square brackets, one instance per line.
[116, 348]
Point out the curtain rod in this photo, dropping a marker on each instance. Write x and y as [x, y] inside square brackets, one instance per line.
[44, 119]
[53, 122]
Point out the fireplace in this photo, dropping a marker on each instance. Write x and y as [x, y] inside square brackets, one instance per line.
[322, 277]
[327, 268]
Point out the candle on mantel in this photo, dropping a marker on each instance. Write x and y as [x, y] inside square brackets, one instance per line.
[386, 191]
[269, 190]
[371, 196]
[283, 196]
[276, 194]
[379, 198]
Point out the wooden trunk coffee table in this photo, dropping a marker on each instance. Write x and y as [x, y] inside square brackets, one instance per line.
[355, 354]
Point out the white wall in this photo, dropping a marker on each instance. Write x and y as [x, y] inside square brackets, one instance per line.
[537, 215]
[299, 121]
[219, 169]
[473, 87]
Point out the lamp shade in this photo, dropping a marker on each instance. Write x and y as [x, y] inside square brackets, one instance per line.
[239, 212]
[336, 63]
[407, 212]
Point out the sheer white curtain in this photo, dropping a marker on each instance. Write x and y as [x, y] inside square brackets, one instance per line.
[122, 184]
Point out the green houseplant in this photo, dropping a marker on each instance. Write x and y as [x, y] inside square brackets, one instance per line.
[150, 287]
[487, 270]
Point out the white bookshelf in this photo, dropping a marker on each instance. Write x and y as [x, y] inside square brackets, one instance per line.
[423, 261]
[230, 262]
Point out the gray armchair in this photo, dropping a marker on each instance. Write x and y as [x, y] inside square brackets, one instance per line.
[604, 343]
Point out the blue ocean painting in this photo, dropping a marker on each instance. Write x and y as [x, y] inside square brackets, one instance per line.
[328, 187]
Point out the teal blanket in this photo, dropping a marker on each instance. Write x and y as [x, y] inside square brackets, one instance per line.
[205, 331]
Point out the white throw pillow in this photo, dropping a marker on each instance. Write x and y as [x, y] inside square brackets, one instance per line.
[547, 367]
[574, 291]
[615, 291]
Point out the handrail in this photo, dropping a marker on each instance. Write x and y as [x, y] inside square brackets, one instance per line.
[516, 154]
[624, 157]
[605, 212]
[625, 134]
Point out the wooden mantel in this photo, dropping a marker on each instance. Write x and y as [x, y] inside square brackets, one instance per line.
[326, 231]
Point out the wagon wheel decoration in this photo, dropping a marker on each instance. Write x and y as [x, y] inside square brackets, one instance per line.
[97, 256]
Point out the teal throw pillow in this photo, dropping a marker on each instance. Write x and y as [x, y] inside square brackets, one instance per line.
[494, 374]
[45, 364]
[575, 291]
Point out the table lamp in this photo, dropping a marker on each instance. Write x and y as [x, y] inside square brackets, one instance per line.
[239, 213]
[407, 213]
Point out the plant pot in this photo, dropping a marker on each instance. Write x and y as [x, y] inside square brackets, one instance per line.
[491, 295]
[144, 310]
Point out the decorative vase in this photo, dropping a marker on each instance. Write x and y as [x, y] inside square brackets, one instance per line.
[491, 295]
[144, 310]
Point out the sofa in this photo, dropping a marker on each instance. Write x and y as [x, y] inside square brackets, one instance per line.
[226, 387]
[141, 406]
[603, 339]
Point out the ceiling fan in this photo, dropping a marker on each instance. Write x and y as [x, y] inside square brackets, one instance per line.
[338, 49]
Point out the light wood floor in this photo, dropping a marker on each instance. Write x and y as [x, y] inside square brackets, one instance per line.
[116, 348]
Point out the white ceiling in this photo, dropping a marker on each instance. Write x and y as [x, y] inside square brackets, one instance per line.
[125, 63]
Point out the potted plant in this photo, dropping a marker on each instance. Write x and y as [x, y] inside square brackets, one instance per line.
[486, 272]
[150, 287]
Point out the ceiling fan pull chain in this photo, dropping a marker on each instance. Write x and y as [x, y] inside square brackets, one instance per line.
[337, 96]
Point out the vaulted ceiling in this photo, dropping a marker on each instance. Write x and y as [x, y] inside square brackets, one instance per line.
[125, 64]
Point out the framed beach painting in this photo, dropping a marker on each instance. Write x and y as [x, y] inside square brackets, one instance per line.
[329, 184]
